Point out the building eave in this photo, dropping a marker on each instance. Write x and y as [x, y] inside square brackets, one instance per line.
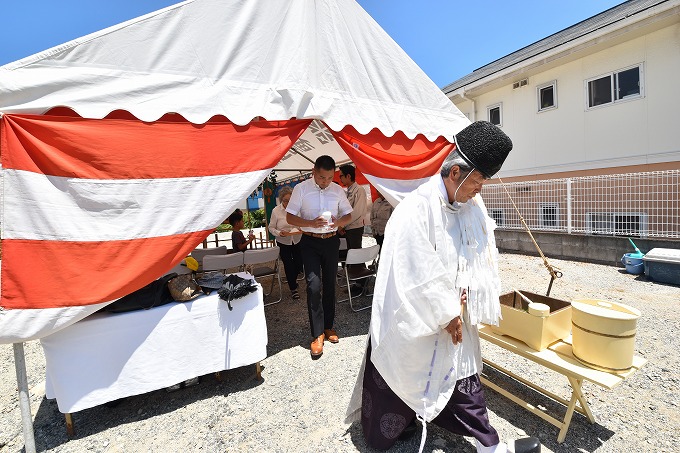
[653, 18]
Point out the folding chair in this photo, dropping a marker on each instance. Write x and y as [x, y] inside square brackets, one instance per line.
[352, 274]
[224, 262]
[199, 254]
[264, 258]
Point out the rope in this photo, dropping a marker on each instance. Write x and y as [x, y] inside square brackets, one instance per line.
[554, 272]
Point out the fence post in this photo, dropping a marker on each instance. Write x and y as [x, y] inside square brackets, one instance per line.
[568, 205]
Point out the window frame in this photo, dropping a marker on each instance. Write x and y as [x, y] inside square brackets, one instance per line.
[500, 212]
[499, 106]
[542, 218]
[604, 223]
[613, 87]
[553, 84]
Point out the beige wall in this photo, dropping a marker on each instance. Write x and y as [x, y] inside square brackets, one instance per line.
[633, 133]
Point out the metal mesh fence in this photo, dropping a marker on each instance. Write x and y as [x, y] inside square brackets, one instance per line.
[633, 204]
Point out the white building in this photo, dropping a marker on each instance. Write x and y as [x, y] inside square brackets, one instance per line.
[599, 95]
[598, 98]
[592, 111]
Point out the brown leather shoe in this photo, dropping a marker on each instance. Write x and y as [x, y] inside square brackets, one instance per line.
[331, 335]
[316, 347]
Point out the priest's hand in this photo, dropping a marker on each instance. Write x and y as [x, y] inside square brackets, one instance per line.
[455, 329]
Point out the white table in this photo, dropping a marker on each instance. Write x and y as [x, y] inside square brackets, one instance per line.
[109, 356]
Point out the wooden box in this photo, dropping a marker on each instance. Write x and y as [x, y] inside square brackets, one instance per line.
[536, 331]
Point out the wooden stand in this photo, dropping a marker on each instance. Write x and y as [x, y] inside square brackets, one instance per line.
[559, 358]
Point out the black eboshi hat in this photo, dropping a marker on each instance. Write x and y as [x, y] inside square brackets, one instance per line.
[484, 146]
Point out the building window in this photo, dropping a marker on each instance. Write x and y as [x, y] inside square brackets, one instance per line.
[548, 214]
[617, 223]
[498, 215]
[495, 114]
[617, 86]
[547, 96]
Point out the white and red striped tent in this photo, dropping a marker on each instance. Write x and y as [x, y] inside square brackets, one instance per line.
[122, 150]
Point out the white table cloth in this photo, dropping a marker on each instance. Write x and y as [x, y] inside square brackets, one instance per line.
[109, 356]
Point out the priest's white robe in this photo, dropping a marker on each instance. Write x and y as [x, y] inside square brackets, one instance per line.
[432, 251]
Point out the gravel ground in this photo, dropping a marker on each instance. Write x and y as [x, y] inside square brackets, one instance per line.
[299, 405]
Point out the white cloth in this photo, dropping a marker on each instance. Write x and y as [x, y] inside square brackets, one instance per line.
[430, 254]
[110, 356]
[356, 195]
[308, 201]
[278, 223]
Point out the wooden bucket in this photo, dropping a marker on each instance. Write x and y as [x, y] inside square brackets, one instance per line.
[603, 333]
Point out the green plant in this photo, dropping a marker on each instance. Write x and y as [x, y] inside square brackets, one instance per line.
[253, 219]
[223, 228]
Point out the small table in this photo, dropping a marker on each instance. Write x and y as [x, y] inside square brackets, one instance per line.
[557, 357]
[108, 356]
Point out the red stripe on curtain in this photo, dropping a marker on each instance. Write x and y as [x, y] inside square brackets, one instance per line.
[44, 274]
[131, 149]
[396, 157]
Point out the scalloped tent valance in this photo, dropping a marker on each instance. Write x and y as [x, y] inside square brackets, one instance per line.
[273, 59]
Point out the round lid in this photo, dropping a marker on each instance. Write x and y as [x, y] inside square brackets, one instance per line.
[537, 309]
[606, 309]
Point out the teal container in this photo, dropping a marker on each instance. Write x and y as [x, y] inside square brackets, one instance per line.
[633, 264]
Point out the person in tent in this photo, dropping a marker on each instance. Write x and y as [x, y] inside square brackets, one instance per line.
[287, 238]
[319, 208]
[380, 214]
[437, 279]
[354, 231]
[239, 243]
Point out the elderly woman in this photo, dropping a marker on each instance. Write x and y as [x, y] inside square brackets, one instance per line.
[287, 238]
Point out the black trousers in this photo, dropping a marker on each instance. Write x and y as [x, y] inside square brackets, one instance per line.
[320, 258]
[292, 262]
[354, 237]
[384, 416]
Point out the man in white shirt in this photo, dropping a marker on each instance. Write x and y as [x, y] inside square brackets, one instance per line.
[319, 207]
[354, 231]
[437, 279]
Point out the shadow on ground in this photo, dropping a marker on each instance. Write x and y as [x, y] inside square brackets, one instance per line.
[50, 426]
[581, 435]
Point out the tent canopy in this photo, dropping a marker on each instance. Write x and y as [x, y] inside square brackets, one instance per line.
[180, 114]
[274, 59]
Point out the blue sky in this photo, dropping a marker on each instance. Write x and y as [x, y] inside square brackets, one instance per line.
[446, 38]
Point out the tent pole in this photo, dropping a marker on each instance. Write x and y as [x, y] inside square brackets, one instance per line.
[250, 219]
[24, 399]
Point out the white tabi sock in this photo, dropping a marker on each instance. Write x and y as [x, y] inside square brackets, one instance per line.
[498, 448]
